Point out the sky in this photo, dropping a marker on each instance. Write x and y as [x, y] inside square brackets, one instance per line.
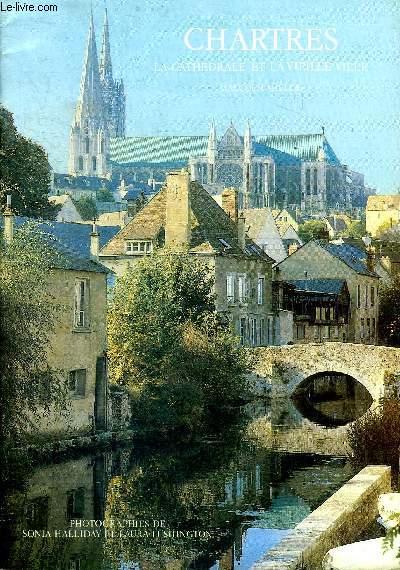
[358, 104]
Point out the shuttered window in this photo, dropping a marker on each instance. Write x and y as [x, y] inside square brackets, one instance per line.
[81, 319]
[77, 382]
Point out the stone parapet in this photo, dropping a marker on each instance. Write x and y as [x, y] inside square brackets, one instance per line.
[340, 519]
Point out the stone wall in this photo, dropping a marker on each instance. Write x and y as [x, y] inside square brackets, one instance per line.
[339, 520]
[287, 366]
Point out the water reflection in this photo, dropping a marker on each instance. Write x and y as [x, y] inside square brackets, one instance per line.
[213, 505]
[332, 399]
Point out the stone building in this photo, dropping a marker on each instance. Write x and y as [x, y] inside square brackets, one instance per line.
[382, 211]
[262, 229]
[320, 308]
[183, 217]
[339, 261]
[77, 345]
[100, 111]
[67, 210]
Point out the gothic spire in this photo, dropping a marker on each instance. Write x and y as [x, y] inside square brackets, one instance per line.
[90, 102]
[105, 56]
[212, 143]
[247, 142]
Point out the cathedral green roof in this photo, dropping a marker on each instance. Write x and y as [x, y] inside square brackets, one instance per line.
[176, 150]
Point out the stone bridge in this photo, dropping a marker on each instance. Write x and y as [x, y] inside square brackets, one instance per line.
[286, 367]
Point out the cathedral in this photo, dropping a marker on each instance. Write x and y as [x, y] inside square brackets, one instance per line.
[299, 172]
[100, 111]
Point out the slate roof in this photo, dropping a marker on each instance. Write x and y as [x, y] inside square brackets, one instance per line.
[93, 183]
[324, 286]
[353, 257]
[176, 150]
[72, 240]
[210, 224]
[138, 188]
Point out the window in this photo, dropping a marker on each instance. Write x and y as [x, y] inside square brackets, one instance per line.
[270, 338]
[94, 163]
[326, 332]
[315, 181]
[336, 331]
[300, 332]
[316, 333]
[262, 332]
[77, 382]
[139, 247]
[372, 296]
[82, 303]
[37, 512]
[308, 184]
[331, 313]
[242, 288]
[76, 503]
[253, 332]
[261, 290]
[87, 145]
[362, 331]
[373, 327]
[230, 288]
[243, 331]
[80, 163]
[369, 328]
[317, 313]
[366, 296]
[358, 296]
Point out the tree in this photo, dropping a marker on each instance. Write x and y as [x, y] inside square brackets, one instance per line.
[389, 312]
[25, 172]
[355, 230]
[28, 387]
[137, 204]
[104, 195]
[86, 207]
[312, 229]
[168, 345]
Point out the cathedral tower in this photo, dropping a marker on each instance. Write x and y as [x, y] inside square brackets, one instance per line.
[89, 138]
[113, 91]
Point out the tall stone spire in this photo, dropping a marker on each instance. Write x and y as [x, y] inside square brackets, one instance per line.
[247, 143]
[90, 102]
[105, 55]
[212, 152]
[89, 139]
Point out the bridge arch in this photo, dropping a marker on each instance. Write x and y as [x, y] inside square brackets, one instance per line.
[286, 367]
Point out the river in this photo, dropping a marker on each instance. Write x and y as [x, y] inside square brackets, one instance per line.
[217, 504]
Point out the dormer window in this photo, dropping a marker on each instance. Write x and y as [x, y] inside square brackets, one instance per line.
[136, 247]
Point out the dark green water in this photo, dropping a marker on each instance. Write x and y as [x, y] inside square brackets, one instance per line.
[217, 504]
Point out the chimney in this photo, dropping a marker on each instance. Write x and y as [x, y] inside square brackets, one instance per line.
[94, 243]
[8, 216]
[241, 231]
[230, 203]
[177, 219]
[293, 247]
[371, 258]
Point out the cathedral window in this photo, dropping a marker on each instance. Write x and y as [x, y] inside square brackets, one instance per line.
[94, 163]
[87, 145]
[315, 181]
[308, 185]
[80, 163]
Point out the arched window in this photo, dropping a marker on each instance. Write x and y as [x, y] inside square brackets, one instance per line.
[80, 163]
[87, 145]
[94, 163]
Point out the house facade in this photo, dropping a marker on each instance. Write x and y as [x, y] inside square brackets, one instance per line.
[77, 344]
[382, 212]
[327, 261]
[183, 218]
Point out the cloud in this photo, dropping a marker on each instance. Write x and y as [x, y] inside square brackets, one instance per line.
[24, 46]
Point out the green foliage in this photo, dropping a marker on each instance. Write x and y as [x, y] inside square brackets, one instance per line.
[389, 311]
[86, 207]
[169, 346]
[375, 437]
[355, 230]
[104, 195]
[313, 229]
[137, 205]
[25, 172]
[28, 312]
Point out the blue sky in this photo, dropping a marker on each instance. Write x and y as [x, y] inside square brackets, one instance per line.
[43, 55]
